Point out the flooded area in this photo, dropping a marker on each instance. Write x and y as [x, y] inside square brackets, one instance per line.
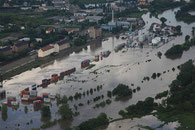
[128, 66]
[192, 13]
[140, 123]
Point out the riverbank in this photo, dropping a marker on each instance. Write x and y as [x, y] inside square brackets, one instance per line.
[15, 69]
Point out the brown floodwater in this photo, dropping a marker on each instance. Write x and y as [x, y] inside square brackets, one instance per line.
[127, 66]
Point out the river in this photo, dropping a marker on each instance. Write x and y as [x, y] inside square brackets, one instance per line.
[128, 66]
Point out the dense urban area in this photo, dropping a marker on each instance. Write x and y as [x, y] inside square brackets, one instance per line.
[97, 64]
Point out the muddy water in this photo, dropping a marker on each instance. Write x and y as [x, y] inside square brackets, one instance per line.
[139, 123]
[127, 66]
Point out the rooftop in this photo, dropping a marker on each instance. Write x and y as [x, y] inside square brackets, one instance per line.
[48, 47]
[50, 29]
[69, 30]
[20, 43]
[62, 42]
[5, 48]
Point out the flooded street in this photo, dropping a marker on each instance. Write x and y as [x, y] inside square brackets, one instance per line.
[127, 66]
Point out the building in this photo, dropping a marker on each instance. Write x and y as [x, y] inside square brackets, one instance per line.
[156, 41]
[6, 50]
[94, 18]
[95, 32]
[22, 27]
[24, 39]
[46, 51]
[62, 45]
[70, 30]
[142, 2]
[80, 13]
[38, 40]
[131, 19]
[115, 23]
[59, 3]
[49, 30]
[20, 46]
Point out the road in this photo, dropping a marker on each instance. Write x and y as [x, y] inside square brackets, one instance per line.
[17, 63]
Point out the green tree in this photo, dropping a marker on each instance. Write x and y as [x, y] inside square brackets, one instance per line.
[26, 109]
[94, 123]
[45, 111]
[65, 112]
[178, 28]
[163, 20]
[187, 38]
[109, 94]
[4, 112]
[122, 91]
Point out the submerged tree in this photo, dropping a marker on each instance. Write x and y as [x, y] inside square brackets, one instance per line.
[65, 112]
[45, 111]
[4, 112]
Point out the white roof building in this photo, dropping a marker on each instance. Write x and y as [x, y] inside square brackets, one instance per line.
[156, 40]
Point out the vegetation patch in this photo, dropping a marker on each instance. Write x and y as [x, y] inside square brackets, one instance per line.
[161, 95]
[177, 50]
[122, 91]
[141, 108]
[94, 123]
[183, 15]
[48, 124]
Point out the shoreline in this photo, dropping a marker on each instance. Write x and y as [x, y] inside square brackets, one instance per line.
[42, 62]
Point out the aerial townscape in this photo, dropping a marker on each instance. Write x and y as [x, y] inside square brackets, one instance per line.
[97, 64]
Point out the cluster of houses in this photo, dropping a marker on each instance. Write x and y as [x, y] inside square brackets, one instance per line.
[24, 43]
[94, 32]
[123, 22]
[160, 30]
[54, 48]
[17, 47]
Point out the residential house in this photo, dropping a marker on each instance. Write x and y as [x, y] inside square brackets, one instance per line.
[80, 13]
[20, 46]
[94, 32]
[38, 40]
[142, 2]
[22, 27]
[24, 39]
[6, 50]
[62, 45]
[70, 30]
[46, 51]
[49, 30]
[25, 8]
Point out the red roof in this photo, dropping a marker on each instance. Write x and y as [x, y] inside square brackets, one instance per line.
[50, 29]
[69, 30]
[47, 48]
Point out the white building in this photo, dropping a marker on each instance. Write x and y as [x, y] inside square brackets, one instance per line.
[26, 39]
[156, 40]
[80, 13]
[46, 51]
[38, 39]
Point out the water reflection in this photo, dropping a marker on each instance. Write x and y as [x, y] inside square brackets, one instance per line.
[4, 117]
[95, 46]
